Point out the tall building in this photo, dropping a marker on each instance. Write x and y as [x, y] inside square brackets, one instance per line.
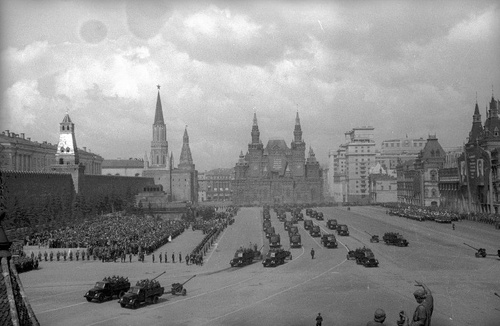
[277, 173]
[181, 183]
[396, 151]
[359, 158]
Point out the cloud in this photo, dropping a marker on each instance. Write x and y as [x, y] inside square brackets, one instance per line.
[23, 100]
[474, 28]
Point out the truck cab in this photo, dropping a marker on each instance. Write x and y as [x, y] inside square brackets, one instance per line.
[315, 231]
[308, 224]
[332, 224]
[343, 230]
[329, 241]
[295, 241]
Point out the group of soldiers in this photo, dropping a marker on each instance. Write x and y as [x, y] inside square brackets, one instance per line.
[61, 255]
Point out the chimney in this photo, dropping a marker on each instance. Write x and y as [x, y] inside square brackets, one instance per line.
[22, 135]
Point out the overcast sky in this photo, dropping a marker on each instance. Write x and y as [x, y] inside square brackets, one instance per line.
[404, 67]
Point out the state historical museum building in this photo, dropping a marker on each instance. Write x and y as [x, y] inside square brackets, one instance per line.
[277, 174]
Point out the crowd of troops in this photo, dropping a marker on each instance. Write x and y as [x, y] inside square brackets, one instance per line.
[430, 214]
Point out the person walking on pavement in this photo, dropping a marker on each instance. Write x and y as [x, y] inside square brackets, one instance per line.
[319, 319]
[312, 253]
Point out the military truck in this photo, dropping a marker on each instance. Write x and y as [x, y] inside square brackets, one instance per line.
[275, 257]
[395, 239]
[293, 230]
[363, 256]
[242, 257]
[270, 230]
[342, 229]
[308, 224]
[332, 224]
[315, 231]
[108, 288]
[145, 291]
[295, 241]
[274, 241]
[320, 216]
[266, 224]
[287, 225]
[329, 240]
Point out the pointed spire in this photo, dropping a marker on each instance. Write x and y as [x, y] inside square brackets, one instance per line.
[255, 130]
[297, 119]
[255, 119]
[159, 110]
[186, 159]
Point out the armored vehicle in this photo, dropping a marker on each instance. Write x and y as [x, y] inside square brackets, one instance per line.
[270, 230]
[295, 241]
[342, 229]
[275, 257]
[108, 288]
[332, 224]
[145, 291]
[242, 257]
[315, 231]
[395, 239]
[329, 241]
[274, 241]
[308, 224]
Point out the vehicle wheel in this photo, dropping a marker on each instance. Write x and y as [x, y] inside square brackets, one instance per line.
[136, 305]
[88, 299]
[155, 300]
[121, 294]
[101, 297]
[123, 305]
[184, 292]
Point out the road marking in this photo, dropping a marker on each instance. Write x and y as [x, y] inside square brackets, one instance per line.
[76, 304]
[275, 294]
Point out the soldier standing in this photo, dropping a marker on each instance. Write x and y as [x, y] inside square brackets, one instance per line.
[180, 257]
[173, 257]
[130, 257]
[51, 256]
[58, 254]
[77, 254]
[187, 259]
[312, 253]
[165, 257]
[160, 255]
[64, 255]
[45, 256]
[319, 319]
[153, 257]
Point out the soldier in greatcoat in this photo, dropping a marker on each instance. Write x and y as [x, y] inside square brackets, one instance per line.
[51, 256]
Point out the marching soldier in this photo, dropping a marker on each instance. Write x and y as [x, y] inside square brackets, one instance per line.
[51, 256]
[39, 256]
[173, 257]
[45, 255]
[65, 255]
[165, 257]
[70, 255]
[58, 254]
[77, 254]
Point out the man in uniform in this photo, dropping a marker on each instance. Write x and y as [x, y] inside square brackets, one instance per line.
[130, 257]
[312, 253]
[45, 256]
[378, 318]
[180, 257]
[58, 254]
[319, 319]
[187, 259]
[160, 256]
[51, 255]
[153, 257]
[165, 257]
[173, 257]
[423, 312]
[64, 255]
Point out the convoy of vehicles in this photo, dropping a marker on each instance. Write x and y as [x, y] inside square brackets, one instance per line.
[332, 224]
[308, 224]
[315, 231]
[145, 291]
[274, 241]
[242, 257]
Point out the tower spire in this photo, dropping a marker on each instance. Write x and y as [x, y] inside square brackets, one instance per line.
[186, 159]
[159, 144]
[297, 132]
[159, 110]
[255, 130]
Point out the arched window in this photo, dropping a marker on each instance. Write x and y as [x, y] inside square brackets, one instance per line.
[62, 149]
[67, 149]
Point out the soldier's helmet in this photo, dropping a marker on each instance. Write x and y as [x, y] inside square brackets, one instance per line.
[379, 315]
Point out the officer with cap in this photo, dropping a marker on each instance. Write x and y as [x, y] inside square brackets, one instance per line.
[378, 319]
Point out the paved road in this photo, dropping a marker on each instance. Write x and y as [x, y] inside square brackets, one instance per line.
[293, 294]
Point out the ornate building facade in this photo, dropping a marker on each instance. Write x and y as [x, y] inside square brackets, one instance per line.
[277, 173]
